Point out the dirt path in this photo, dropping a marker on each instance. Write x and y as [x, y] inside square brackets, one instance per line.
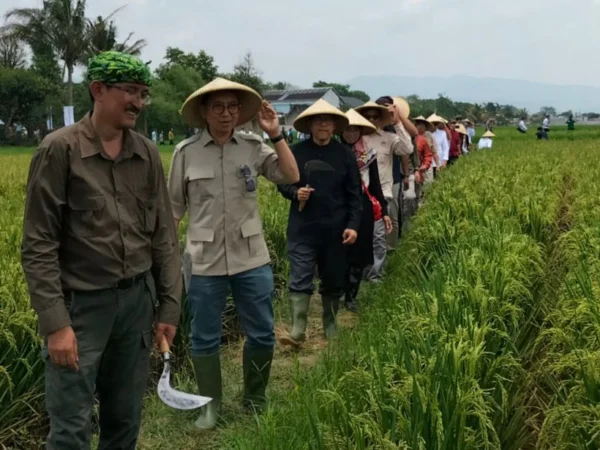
[163, 427]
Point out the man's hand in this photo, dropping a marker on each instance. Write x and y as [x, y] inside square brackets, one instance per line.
[303, 194]
[168, 331]
[268, 120]
[406, 183]
[388, 224]
[349, 236]
[395, 112]
[62, 348]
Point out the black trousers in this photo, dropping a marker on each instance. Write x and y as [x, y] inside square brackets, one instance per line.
[326, 258]
[114, 340]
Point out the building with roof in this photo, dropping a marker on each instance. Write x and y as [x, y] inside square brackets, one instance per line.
[289, 104]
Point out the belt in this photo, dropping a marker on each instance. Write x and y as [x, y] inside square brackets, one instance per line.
[127, 283]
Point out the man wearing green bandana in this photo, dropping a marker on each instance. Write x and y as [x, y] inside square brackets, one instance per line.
[101, 259]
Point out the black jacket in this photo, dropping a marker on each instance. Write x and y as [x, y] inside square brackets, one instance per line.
[336, 203]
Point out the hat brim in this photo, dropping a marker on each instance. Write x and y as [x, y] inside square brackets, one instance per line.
[250, 103]
[386, 116]
[357, 120]
[303, 124]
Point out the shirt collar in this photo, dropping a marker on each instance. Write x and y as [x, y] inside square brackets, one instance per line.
[206, 138]
[90, 145]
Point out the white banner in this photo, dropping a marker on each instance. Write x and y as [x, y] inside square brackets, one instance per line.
[69, 113]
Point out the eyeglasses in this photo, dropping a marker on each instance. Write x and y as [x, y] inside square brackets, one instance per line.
[219, 108]
[250, 180]
[133, 92]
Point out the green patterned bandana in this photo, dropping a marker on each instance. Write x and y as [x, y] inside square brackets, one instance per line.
[116, 67]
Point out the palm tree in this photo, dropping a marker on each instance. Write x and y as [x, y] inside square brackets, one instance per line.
[102, 36]
[62, 23]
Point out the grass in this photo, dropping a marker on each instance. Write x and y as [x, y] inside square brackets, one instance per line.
[485, 333]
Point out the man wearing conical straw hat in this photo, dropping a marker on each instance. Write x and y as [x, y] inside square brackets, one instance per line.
[486, 140]
[441, 138]
[214, 178]
[388, 145]
[324, 218]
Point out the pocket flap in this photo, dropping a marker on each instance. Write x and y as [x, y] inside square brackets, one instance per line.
[251, 227]
[80, 203]
[201, 234]
[200, 173]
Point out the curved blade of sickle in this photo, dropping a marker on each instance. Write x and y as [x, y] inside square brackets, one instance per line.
[177, 399]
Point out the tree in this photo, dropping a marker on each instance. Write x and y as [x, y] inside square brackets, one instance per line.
[202, 63]
[566, 114]
[343, 90]
[62, 23]
[12, 54]
[247, 73]
[21, 91]
[279, 86]
[547, 111]
[102, 36]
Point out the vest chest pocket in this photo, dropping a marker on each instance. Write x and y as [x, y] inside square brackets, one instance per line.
[86, 214]
[201, 184]
[147, 210]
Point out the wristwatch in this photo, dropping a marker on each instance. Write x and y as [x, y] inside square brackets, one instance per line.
[277, 139]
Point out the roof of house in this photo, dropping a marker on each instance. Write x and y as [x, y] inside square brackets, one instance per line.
[352, 102]
[309, 95]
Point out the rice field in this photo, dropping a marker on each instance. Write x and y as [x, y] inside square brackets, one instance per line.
[484, 335]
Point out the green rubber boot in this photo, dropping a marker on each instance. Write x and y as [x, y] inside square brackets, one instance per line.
[257, 369]
[208, 378]
[299, 304]
[331, 305]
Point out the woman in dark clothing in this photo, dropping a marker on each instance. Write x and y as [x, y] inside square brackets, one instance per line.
[374, 211]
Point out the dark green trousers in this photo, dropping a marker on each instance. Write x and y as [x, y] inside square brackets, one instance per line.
[114, 340]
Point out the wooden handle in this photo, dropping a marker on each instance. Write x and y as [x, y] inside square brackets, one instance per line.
[164, 345]
[303, 202]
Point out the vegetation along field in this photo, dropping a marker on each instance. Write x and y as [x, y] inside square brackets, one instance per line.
[485, 333]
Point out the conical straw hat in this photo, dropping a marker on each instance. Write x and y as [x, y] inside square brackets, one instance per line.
[488, 134]
[250, 102]
[403, 106]
[434, 118]
[302, 122]
[461, 129]
[356, 120]
[429, 125]
[386, 116]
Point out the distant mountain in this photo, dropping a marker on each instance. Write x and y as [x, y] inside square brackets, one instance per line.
[523, 94]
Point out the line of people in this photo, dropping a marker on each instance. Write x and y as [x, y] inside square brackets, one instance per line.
[100, 245]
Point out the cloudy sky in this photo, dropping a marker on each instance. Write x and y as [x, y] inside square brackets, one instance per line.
[553, 41]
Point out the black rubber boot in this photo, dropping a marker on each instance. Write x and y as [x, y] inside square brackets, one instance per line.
[208, 378]
[257, 369]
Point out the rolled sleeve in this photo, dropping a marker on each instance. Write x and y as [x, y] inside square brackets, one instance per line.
[176, 185]
[166, 260]
[45, 199]
[269, 167]
[402, 144]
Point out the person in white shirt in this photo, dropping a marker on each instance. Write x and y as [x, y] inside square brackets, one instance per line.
[522, 127]
[486, 140]
[470, 130]
[441, 138]
[546, 123]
